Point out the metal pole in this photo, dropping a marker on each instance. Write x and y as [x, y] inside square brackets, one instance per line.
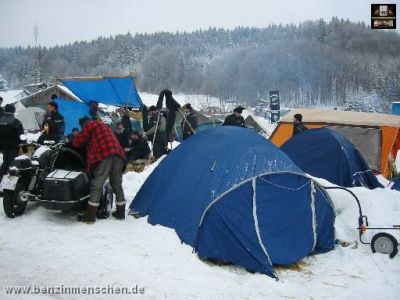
[186, 121]
[154, 137]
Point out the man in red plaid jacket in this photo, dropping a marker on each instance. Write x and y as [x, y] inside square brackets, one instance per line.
[106, 159]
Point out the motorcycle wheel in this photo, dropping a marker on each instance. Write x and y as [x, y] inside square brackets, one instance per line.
[12, 203]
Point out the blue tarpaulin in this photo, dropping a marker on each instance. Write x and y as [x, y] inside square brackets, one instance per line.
[396, 108]
[117, 91]
[327, 154]
[235, 197]
[72, 112]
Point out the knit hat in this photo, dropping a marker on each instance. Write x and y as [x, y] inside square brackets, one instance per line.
[298, 117]
[239, 109]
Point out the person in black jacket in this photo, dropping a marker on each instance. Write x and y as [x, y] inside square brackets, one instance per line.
[236, 118]
[139, 148]
[10, 131]
[45, 136]
[298, 125]
[124, 129]
[55, 122]
[189, 122]
[72, 135]
[122, 135]
[1, 108]
[158, 125]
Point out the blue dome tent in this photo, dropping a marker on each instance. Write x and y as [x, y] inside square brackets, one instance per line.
[326, 153]
[235, 197]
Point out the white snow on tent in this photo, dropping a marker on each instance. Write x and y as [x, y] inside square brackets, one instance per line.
[31, 118]
[13, 97]
[10, 96]
[68, 91]
[259, 123]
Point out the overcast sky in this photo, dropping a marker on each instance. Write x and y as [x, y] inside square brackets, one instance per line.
[64, 21]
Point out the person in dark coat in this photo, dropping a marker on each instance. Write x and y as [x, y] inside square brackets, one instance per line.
[122, 135]
[159, 130]
[298, 125]
[139, 148]
[1, 107]
[124, 129]
[236, 118]
[172, 107]
[73, 134]
[55, 122]
[10, 132]
[94, 110]
[189, 122]
[45, 136]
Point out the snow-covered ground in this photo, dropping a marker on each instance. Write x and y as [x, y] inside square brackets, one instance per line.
[47, 248]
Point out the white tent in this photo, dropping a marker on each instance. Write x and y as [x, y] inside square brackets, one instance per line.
[31, 118]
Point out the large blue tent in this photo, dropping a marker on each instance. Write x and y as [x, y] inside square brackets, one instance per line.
[327, 154]
[235, 197]
[117, 91]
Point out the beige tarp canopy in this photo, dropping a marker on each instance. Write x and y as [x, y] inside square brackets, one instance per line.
[377, 136]
[344, 117]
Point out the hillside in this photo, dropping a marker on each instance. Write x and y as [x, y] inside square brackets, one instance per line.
[314, 63]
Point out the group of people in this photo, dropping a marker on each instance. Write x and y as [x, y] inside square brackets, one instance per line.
[107, 151]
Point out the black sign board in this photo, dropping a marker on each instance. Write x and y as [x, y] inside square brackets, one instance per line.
[275, 115]
[274, 102]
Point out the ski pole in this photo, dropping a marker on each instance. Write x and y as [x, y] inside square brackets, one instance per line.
[154, 137]
[186, 121]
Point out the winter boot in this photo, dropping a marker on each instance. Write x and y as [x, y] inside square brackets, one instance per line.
[120, 212]
[90, 215]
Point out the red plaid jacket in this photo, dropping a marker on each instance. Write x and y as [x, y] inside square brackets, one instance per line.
[100, 142]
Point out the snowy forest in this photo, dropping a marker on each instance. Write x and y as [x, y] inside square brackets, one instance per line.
[314, 63]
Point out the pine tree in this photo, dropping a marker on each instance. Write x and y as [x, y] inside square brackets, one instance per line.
[3, 84]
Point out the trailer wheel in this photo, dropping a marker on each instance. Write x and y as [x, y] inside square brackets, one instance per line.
[384, 243]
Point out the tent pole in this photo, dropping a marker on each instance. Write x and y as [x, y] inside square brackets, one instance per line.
[186, 121]
[154, 137]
